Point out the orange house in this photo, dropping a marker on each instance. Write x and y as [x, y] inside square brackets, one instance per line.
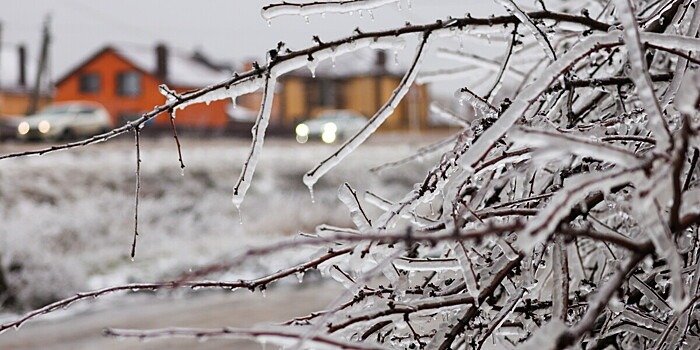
[125, 80]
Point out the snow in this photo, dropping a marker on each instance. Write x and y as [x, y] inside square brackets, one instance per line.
[68, 217]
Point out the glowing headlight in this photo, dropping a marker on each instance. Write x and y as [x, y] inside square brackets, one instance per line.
[329, 130]
[23, 128]
[44, 127]
[328, 137]
[302, 130]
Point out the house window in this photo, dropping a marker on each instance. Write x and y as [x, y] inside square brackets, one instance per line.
[327, 93]
[129, 84]
[90, 83]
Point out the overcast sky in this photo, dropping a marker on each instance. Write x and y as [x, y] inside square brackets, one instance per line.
[225, 29]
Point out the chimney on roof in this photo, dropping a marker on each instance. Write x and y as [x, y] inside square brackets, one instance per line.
[162, 61]
[22, 69]
[380, 62]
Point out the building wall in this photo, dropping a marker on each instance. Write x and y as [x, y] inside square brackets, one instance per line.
[364, 94]
[122, 108]
[295, 101]
[17, 103]
[360, 95]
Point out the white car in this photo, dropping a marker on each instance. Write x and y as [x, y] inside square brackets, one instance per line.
[65, 121]
[330, 126]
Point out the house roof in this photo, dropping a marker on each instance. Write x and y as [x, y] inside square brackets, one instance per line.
[362, 62]
[184, 69]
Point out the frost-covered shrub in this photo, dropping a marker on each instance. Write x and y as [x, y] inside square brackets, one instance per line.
[565, 214]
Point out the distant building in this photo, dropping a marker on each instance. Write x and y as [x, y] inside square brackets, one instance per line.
[125, 80]
[17, 80]
[361, 81]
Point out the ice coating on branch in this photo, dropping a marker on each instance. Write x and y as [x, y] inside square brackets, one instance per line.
[477, 61]
[311, 177]
[682, 62]
[348, 196]
[241, 187]
[650, 218]
[545, 337]
[529, 95]
[581, 146]
[575, 190]
[383, 43]
[640, 74]
[436, 109]
[446, 74]
[468, 271]
[235, 90]
[540, 36]
[464, 94]
[321, 7]
[288, 337]
[408, 264]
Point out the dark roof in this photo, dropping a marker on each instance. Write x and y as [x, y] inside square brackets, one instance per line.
[364, 62]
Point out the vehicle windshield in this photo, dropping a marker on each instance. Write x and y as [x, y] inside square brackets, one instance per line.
[336, 115]
[56, 110]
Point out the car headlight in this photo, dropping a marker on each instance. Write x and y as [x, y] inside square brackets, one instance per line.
[44, 126]
[302, 130]
[329, 130]
[23, 128]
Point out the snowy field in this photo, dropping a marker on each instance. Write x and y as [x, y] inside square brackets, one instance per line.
[68, 217]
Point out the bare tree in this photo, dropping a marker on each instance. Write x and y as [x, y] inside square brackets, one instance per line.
[566, 214]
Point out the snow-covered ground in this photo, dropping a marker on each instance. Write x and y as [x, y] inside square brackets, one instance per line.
[67, 218]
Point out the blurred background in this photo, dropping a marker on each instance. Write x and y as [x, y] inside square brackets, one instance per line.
[75, 68]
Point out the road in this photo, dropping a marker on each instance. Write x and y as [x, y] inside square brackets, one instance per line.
[209, 310]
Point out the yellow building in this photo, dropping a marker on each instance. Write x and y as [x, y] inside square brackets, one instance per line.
[361, 81]
[17, 78]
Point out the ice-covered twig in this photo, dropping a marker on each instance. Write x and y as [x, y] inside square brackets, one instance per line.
[578, 145]
[419, 154]
[241, 187]
[137, 133]
[640, 75]
[283, 336]
[504, 64]
[311, 177]
[137, 287]
[479, 103]
[682, 63]
[376, 236]
[320, 7]
[177, 140]
[575, 190]
[540, 35]
[602, 298]
[398, 309]
[478, 61]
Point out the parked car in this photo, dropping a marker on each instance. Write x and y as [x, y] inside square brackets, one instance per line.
[330, 126]
[8, 128]
[65, 120]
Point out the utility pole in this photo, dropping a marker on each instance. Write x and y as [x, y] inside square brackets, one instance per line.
[0, 63]
[41, 69]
